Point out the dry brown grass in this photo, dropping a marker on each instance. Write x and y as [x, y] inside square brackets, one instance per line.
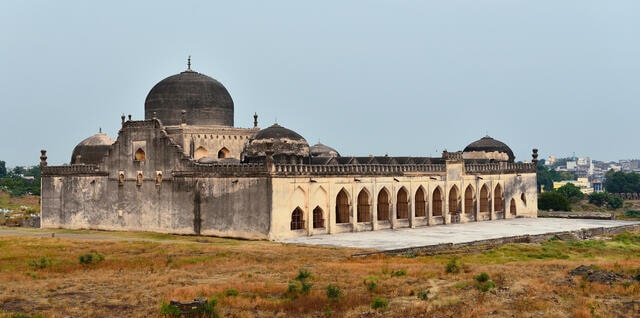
[136, 276]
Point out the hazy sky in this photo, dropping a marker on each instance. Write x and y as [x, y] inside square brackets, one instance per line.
[406, 78]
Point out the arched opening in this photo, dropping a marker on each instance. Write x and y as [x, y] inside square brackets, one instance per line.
[469, 205]
[484, 199]
[512, 207]
[453, 200]
[297, 223]
[498, 200]
[200, 152]
[402, 206]
[364, 208]
[318, 219]
[342, 207]
[421, 203]
[437, 202]
[383, 205]
[140, 155]
[223, 153]
[523, 198]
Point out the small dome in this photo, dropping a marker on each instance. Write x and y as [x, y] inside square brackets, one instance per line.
[320, 150]
[204, 100]
[488, 148]
[283, 144]
[91, 150]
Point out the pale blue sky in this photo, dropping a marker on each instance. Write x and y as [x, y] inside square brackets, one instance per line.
[366, 77]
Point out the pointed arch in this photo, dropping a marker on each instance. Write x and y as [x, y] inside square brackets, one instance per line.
[342, 207]
[437, 202]
[523, 197]
[402, 204]
[469, 202]
[364, 206]
[299, 197]
[498, 200]
[453, 200]
[223, 153]
[297, 221]
[383, 205]
[140, 155]
[484, 199]
[512, 207]
[318, 218]
[200, 152]
[421, 202]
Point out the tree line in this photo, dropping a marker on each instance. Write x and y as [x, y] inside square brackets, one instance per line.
[20, 180]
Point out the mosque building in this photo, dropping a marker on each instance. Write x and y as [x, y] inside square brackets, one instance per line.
[186, 169]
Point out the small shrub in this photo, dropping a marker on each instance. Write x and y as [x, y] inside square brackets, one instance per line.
[305, 288]
[371, 282]
[90, 258]
[379, 304]
[209, 310]
[333, 292]
[231, 292]
[423, 294]
[292, 289]
[482, 277]
[454, 266]
[169, 310]
[303, 274]
[487, 286]
[43, 262]
[398, 273]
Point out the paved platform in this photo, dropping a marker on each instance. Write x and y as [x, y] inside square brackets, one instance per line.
[453, 233]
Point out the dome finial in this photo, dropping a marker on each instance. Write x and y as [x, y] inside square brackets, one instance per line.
[255, 120]
[189, 63]
[99, 130]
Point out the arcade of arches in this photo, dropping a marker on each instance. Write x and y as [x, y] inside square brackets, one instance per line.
[384, 202]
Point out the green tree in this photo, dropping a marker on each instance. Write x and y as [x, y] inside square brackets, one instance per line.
[605, 198]
[545, 181]
[571, 192]
[552, 200]
[3, 168]
[622, 182]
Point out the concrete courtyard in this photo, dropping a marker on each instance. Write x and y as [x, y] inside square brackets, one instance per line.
[453, 233]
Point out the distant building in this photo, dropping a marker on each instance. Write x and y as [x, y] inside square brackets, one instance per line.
[186, 169]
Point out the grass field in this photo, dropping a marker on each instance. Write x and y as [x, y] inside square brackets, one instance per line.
[104, 274]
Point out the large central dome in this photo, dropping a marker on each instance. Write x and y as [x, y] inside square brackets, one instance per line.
[204, 100]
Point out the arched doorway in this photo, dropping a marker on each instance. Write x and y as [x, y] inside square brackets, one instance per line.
[453, 205]
[318, 218]
[498, 200]
[421, 203]
[402, 206]
[484, 199]
[223, 153]
[364, 207]
[512, 207]
[469, 204]
[383, 205]
[342, 207]
[437, 202]
[297, 222]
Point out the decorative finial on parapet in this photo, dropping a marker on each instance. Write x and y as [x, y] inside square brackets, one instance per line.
[155, 116]
[43, 158]
[129, 116]
[535, 156]
[183, 119]
[255, 120]
[122, 117]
